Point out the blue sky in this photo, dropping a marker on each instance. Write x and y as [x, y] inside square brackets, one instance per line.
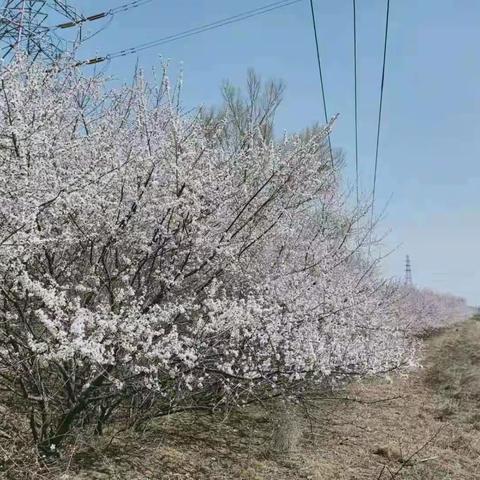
[429, 165]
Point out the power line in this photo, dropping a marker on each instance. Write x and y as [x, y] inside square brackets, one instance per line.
[356, 98]
[193, 31]
[380, 105]
[319, 63]
[113, 11]
[80, 21]
[129, 6]
[204, 28]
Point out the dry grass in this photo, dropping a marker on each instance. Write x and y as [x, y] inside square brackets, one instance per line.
[453, 373]
[422, 427]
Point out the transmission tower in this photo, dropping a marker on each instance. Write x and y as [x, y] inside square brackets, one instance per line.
[33, 27]
[408, 272]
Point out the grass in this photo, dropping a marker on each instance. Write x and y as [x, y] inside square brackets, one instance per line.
[476, 317]
[418, 427]
[454, 371]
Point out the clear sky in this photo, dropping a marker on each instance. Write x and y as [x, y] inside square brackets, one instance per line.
[429, 165]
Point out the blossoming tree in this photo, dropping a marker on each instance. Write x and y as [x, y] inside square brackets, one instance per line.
[148, 267]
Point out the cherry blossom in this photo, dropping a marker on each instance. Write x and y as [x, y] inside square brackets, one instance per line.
[149, 267]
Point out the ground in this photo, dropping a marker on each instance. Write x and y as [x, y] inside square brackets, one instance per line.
[425, 425]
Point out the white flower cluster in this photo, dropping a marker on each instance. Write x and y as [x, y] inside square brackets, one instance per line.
[425, 311]
[140, 256]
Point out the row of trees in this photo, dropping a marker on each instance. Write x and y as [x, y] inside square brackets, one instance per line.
[426, 311]
[153, 262]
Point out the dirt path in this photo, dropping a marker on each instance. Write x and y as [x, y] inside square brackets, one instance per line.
[410, 436]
